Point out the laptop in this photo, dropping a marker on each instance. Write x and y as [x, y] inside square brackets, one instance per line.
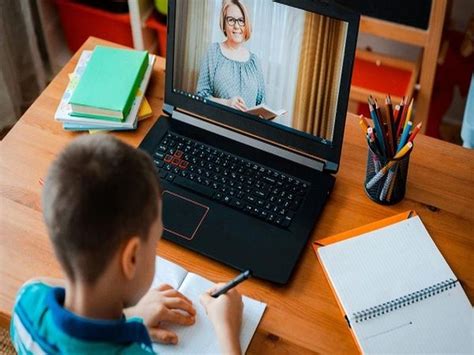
[256, 94]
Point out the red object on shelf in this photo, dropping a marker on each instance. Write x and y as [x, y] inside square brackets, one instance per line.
[381, 78]
[154, 23]
[80, 21]
[363, 109]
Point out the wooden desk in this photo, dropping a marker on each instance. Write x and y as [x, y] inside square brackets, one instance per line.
[301, 317]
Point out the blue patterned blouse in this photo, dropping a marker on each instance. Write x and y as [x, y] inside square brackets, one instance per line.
[224, 78]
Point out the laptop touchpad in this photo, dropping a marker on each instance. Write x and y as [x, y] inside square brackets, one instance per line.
[181, 215]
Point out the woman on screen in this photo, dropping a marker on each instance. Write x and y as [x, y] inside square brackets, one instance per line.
[230, 74]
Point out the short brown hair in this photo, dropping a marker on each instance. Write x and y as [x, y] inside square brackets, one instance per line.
[98, 193]
[243, 8]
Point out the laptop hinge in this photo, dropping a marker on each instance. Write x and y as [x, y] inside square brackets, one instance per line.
[242, 137]
[167, 108]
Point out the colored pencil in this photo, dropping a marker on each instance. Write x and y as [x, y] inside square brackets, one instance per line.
[401, 122]
[378, 130]
[363, 124]
[404, 150]
[414, 132]
[404, 137]
[390, 135]
[409, 113]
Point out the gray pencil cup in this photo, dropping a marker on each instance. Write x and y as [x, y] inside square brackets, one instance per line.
[383, 185]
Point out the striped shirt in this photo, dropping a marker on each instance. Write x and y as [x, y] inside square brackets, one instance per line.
[40, 324]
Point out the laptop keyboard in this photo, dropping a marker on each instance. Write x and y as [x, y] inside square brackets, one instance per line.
[240, 183]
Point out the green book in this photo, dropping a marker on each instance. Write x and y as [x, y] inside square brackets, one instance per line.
[109, 83]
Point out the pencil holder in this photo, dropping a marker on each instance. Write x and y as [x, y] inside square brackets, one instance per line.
[385, 180]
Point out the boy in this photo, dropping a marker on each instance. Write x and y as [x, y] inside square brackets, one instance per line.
[102, 207]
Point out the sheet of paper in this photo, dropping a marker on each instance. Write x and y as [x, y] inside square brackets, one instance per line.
[200, 337]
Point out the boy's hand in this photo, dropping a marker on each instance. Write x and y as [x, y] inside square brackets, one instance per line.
[225, 314]
[163, 304]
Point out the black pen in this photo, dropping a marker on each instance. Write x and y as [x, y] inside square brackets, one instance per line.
[232, 283]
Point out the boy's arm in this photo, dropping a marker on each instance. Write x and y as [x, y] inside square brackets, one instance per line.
[225, 314]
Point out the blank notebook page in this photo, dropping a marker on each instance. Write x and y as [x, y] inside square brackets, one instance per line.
[385, 264]
[200, 338]
[167, 272]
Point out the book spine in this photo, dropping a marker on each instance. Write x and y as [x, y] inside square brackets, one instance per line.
[136, 85]
[387, 307]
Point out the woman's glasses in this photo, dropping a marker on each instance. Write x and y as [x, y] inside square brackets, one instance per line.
[231, 21]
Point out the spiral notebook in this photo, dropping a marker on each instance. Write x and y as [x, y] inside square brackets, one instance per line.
[397, 292]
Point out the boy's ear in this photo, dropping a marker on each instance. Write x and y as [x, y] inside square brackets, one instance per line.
[129, 257]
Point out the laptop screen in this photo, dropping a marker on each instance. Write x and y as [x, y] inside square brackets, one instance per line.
[265, 61]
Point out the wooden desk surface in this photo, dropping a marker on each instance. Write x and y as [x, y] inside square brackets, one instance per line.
[301, 317]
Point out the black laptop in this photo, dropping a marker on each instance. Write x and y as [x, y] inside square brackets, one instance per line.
[256, 96]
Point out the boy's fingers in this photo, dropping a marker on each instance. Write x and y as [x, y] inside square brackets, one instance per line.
[177, 317]
[179, 303]
[164, 287]
[175, 293]
[163, 336]
[206, 296]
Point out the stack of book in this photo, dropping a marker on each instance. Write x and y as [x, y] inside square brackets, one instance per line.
[106, 90]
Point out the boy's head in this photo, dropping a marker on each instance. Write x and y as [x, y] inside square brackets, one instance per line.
[101, 202]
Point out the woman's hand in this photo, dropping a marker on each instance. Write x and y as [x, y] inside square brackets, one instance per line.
[237, 102]
[225, 314]
[163, 303]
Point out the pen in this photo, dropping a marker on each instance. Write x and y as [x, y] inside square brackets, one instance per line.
[232, 283]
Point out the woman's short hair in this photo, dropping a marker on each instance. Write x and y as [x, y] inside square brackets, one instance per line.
[248, 25]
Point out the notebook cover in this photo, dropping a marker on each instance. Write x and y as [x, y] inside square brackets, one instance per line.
[110, 81]
[350, 234]
[363, 229]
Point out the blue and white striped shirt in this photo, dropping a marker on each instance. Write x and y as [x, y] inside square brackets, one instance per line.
[40, 324]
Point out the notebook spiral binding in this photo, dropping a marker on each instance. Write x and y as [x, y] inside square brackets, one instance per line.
[404, 301]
